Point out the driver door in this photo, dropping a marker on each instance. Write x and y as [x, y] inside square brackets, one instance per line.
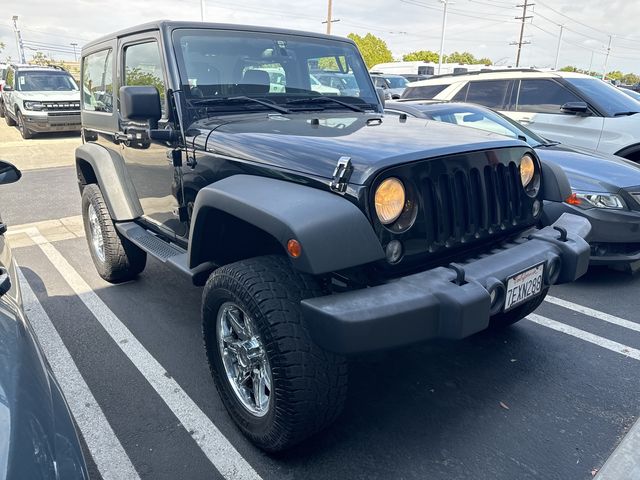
[156, 180]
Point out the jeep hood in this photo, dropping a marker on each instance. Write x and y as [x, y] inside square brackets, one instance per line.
[313, 143]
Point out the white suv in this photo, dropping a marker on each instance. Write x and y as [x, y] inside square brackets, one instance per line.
[568, 107]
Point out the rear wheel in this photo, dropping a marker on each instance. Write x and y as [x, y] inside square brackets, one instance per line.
[277, 384]
[1, 109]
[24, 130]
[505, 319]
[115, 257]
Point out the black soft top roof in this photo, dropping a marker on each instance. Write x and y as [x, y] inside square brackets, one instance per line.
[168, 25]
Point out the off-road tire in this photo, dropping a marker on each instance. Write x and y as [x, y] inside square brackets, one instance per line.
[22, 128]
[309, 384]
[505, 319]
[7, 118]
[1, 109]
[123, 260]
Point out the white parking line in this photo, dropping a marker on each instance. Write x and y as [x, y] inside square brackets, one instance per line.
[112, 461]
[621, 322]
[586, 336]
[213, 443]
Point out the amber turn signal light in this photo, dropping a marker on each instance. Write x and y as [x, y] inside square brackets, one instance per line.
[574, 200]
[294, 248]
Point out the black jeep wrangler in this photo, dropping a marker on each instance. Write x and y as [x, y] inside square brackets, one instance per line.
[318, 226]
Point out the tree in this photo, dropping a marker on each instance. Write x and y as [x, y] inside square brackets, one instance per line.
[569, 68]
[484, 61]
[374, 50]
[2, 46]
[615, 75]
[631, 79]
[421, 56]
[40, 58]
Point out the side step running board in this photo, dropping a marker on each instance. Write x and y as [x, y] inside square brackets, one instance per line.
[166, 252]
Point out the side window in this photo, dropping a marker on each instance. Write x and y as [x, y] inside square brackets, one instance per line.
[543, 96]
[490, 93]
[143, 66]
[10, 77]
[97, 82]
[424, 91]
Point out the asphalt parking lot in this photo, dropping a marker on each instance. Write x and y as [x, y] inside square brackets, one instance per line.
[550, 398]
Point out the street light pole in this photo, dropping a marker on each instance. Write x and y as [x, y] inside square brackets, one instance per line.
[444, 28]
[606, 59]
[74, 45]
[202, 10]
[559, 45]
[19, 44]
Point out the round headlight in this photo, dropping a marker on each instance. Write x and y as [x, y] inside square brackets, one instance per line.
[527, 170]
[389, 199]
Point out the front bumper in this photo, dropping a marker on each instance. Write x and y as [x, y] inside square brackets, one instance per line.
[615, 234]
[40, 122]
[431, 304]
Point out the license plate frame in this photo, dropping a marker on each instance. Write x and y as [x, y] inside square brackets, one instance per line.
[514, 282]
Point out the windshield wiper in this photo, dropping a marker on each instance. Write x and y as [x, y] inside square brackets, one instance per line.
[323, 99]
[241, 99]
[624, 114]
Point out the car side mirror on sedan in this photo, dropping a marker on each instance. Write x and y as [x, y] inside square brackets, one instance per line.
[8, 173]
[7, 88]
[576, 108]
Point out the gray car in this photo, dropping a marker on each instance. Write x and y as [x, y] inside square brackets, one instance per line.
[38, 440]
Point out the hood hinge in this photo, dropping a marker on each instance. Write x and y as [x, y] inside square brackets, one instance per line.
[341, 175]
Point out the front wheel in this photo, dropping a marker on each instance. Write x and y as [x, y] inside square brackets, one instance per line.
[116, 259]
[276, 383]
[505, 319]
[7, 118]
[24, 130]
[2, 109]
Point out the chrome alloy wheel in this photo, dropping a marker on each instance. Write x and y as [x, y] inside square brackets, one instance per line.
[244, 359]
[97, 240]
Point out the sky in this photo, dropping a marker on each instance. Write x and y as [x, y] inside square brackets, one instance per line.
[483, 27]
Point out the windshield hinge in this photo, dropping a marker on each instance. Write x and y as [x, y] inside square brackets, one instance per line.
[341, 175]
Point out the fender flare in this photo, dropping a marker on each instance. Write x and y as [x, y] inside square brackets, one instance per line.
[111, 175]
[555, 183]
[333, 232]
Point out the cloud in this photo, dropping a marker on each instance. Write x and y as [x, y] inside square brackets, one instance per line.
[483, 27]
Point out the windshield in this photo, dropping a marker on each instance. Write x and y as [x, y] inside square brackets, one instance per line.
[273, 67]
[605, 95]
[486, 120]
[397, 82]
[45, 82]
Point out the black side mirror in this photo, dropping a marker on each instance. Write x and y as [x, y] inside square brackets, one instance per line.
[381, 95]
[6, 88]
[575, 108]
[141, 103]
[8, 173]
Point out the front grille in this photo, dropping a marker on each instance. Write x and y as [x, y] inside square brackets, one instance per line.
[462, 205]
[465, 201]
[60, 106]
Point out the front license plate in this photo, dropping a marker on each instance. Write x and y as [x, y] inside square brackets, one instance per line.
[523, 286]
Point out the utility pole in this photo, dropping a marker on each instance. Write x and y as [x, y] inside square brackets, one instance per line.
[591, 63]
[559, 45]
[74, 45]
[606, 60]
[202, 10]
[444, 28]
[330, 19]
[524, 18]
[19, 44]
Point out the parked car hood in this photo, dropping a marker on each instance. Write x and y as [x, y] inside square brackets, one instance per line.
[592, 171]
[312, 144]
[52, 96]
[37, 437]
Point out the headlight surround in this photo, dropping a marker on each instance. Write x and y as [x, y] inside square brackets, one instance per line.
[588, 200]
[390, 198]
[33, 105]
[529, 175]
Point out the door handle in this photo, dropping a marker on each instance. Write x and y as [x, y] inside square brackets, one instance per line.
[5, 281]
[526, 120]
